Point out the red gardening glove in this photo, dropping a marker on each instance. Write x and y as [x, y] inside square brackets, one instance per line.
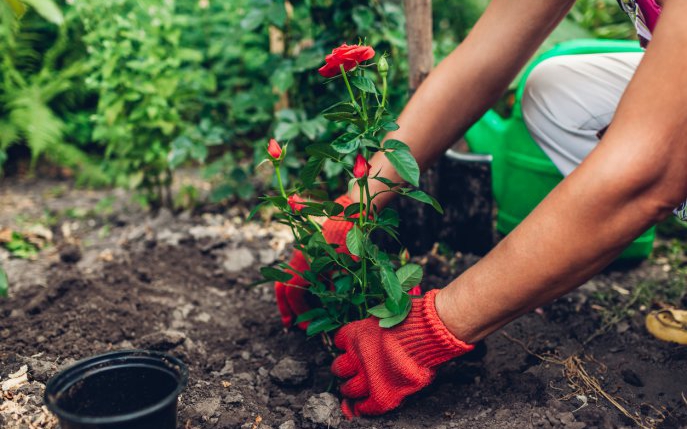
[291, 296]
[384, 365]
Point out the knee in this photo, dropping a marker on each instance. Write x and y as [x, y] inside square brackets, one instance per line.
[545, 89]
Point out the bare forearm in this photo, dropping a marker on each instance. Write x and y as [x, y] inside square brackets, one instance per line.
[630, 181]
[470, 80]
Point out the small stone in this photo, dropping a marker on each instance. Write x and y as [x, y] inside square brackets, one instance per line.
[228, 368]
[566, 417]
[290, 372]
[267, 256]
[289, 424]
[203, 317]
[236, 260]
[162, 340]
[233, 397]
[207, 407]
[323, 410]
[502, 415]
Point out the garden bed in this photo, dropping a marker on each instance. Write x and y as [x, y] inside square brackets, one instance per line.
[116, 278]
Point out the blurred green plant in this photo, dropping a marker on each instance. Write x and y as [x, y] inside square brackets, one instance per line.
[602, 18]
[152, 86]
[41, 74]
[141, 75]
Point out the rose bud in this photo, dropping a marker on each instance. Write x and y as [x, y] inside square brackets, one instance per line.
[383, 66]
[361, 168]
[274, 149]
[294, 202]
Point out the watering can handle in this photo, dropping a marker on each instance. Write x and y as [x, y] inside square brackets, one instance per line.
[485, 136]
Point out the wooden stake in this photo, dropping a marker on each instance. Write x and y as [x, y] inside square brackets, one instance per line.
[419, 35]
[278, 47]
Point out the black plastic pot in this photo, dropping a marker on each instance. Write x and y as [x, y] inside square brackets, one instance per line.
[132, 389]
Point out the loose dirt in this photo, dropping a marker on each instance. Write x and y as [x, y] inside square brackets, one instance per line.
[120, 279]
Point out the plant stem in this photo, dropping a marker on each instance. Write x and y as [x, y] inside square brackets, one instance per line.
[362, 183]
[281, 184]
[363, 258]
[350, 91]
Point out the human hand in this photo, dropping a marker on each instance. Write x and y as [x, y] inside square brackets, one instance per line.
[385, 365]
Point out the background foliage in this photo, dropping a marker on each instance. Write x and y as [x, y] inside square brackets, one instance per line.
[125, 92]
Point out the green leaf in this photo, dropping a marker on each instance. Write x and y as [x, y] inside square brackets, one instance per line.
[390, 126]
[355, 241]
[282, 79]
[321, 150]
[253, 19]
[390, 282]
[397, 307]
[410, 275]
[387, 182]
[332, 208]
[275, 274]
[388, 217]
[358, 299]
[405, 166]
[425, 198]
[324, 324]
[18, 7]
[255, 210]
[392, 321]
[48, 10]
[286, 131]
[4, 283]
[364, 84]
[343, 284]
[342, 112]
[311, 170]
[311, 314]
[346, 146]
[351, 210]
[277, 13]
[396, 145]
[380, 311]
[320, 264]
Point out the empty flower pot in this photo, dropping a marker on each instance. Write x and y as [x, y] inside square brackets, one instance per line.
[133, 389]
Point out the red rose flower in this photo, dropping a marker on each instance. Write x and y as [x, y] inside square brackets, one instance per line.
[361, 168]
[347, 55]
[274, 149]
[295, 203]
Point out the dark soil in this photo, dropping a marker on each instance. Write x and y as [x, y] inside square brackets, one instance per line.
[183, 285]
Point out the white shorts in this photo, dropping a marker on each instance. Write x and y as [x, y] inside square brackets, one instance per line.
[570, 99]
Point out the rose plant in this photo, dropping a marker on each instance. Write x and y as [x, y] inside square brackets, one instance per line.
[357, 278]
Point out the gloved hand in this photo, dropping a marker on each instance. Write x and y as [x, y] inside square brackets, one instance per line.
[291, 296]
[385, 365]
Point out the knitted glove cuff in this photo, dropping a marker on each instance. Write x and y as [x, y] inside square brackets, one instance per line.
[425, 337]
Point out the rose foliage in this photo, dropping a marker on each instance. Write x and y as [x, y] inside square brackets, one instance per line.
[369, 281]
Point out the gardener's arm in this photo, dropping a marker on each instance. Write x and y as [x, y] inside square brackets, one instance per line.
[470, 80]
[632, 180]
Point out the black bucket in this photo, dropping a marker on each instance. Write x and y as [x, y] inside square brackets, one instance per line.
[132, 389]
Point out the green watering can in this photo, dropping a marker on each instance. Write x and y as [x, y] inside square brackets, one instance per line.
[522, 174]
